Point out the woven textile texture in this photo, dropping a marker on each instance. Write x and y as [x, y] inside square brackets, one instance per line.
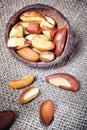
[70, 108]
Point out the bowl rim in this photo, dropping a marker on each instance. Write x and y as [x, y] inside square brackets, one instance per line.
[66, 50]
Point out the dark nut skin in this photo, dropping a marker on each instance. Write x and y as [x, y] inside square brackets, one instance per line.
[33, 28]
[47, 111]
[60, 40]
[6, 119]
[68, 82]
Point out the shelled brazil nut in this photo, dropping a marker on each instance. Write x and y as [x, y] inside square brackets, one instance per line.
[47, 111]
[64, 81]
[29, 94]
[36, 37]
[21, 82]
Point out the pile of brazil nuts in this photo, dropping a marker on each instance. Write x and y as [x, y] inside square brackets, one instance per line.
[61, 80]
[36, 38]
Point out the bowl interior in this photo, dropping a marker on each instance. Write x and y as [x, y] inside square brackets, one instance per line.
[46, 10]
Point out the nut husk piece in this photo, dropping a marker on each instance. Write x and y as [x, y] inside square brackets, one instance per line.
[6, 119]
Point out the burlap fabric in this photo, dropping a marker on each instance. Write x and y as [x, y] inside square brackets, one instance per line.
[70, 108]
